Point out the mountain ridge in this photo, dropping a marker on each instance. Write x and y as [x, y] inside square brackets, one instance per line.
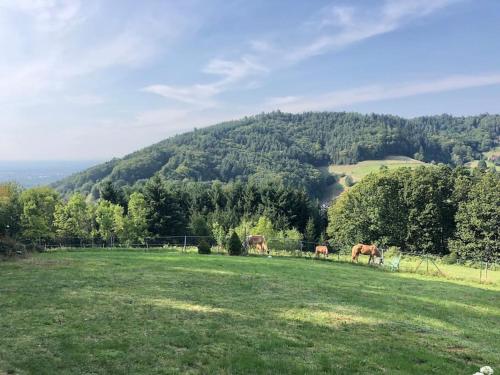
[289, 148]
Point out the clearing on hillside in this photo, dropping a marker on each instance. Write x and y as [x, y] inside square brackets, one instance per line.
[102, 312]
[489, 155]
[359, 170]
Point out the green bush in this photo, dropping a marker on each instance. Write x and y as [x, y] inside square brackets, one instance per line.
[10, 247]
[451, 258]
[203, 247]
[234, 246]
[392, 251]
[349, 181]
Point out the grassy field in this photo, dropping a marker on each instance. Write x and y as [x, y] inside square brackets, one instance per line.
[134, 312]
[487, 155]
[359, 170]
[424, 266]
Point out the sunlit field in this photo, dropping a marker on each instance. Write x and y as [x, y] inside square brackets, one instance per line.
[165, 312]
[359, 170]
[433, 266]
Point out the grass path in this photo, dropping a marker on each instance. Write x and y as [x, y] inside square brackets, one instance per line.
[101, 312]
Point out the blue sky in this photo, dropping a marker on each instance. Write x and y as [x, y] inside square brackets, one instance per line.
[88, 79]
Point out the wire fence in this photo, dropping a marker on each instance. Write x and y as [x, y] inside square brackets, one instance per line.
[408, 261]
[162, 241]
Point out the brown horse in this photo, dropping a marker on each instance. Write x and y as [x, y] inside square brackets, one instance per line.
[321, 249]
[370, 250]
[257, 241]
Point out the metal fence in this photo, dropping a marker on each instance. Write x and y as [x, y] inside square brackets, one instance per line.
[427, 263]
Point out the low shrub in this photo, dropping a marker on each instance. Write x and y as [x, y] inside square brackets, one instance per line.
[451, 258]
[392, 251]
[10, 247]
[234, 246]
[203, 247]
[349, 181]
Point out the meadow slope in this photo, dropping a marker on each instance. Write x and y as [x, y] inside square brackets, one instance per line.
[97, 312]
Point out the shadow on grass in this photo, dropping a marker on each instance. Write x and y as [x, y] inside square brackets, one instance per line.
[117, 313]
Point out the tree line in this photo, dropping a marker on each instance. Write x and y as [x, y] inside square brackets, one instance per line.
[288, 149]
[158, 209]
[437, 210]
[430, 209]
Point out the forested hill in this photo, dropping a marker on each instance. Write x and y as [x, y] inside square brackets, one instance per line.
[288, 148]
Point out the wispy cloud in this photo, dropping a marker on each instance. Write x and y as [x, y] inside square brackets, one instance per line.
[344, 98]
[47, 15]
[332, 28]
[340, 26]
[202, 95]
[54, 49]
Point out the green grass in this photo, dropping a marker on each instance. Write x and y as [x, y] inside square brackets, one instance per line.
[495, 151]
[455, 272]
[361, 169]
[135, 312]
[487, 155]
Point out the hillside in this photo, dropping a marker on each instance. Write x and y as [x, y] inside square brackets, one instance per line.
[359, 170]
[290, 149]
[491, 157]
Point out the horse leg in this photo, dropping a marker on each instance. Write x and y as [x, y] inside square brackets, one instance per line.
[370, 259]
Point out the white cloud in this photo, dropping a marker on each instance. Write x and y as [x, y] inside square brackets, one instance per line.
[47, 15]
[55, 53]
[345, 98]
[202, 95]
[332, 28]
[351, 25]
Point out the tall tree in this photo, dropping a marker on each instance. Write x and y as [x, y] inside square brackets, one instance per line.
[166, 212]
[109, 218]
[136, 221]
[72, 219]
[109, 192]
[478, 221]
[38, 207]
[10, 209]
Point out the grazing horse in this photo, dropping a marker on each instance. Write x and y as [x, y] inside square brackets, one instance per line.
[257, 241]
[321, 249]
[370, 250]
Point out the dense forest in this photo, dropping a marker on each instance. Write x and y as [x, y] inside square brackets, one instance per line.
[261, 175]
[159, 210]
[435, 210]
[288, 148]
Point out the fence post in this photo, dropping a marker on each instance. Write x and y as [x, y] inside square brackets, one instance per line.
[184, 248]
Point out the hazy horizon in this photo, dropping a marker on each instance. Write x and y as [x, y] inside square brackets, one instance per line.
[30, 173]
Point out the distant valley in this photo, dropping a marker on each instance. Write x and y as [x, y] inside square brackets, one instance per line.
[35, 173]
